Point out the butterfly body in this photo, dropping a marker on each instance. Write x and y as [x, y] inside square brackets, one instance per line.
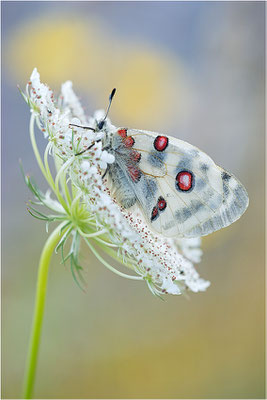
[179, 189]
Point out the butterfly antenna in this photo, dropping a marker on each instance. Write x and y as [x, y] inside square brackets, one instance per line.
[101, 123]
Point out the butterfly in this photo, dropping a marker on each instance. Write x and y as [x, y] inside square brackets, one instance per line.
[179, 189]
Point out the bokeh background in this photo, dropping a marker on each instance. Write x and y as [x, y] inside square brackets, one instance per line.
[194, 70]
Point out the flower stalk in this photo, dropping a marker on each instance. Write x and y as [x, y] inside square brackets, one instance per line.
[43, 271]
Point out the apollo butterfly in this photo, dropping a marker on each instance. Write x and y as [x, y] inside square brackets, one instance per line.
[178, 188]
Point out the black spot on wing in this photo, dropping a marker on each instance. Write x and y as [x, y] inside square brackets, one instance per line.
[156, 159]
[148, 187]
[213, 224]
[196, 205]
[128, 201]
[183, 215]
[185, 164]
[194, 153]
[204, 167]
[226, 176]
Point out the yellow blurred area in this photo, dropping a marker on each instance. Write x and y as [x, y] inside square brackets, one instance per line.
[151, 84]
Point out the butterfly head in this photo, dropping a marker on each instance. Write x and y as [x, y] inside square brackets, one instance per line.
[100, 125]
[99, 121]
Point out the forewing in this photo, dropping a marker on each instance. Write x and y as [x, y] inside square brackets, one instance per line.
[214, 200]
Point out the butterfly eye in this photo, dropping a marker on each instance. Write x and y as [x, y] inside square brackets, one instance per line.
[160, 143]
[101, 124]
[184, 180]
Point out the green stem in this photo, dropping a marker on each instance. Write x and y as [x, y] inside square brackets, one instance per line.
[35, 148]
[39, 310]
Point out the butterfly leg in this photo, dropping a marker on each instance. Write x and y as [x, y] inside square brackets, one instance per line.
[88, 148]
[105, 173]
[83, 127]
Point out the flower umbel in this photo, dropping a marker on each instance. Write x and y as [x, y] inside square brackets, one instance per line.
[83, 204]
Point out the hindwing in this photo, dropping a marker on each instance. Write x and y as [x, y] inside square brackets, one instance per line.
[179, 188]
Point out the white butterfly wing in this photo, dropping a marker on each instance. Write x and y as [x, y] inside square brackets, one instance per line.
[180, 190]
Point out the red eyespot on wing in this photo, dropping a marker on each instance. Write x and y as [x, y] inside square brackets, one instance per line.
[155, 213]
[161, 142]
[184, 180]
[128, 141]
[122, 132]
[135, 156]
[162, 204]
[134, 173]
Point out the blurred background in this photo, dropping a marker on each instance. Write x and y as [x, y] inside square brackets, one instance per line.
[193, 70]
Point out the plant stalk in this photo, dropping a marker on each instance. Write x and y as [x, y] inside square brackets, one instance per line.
[31, 362]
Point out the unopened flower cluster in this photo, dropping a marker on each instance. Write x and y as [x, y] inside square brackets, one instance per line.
[82, 199]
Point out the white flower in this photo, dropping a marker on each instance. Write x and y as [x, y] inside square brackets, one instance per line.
[107, 158]
[190, 248]
[89, 210]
